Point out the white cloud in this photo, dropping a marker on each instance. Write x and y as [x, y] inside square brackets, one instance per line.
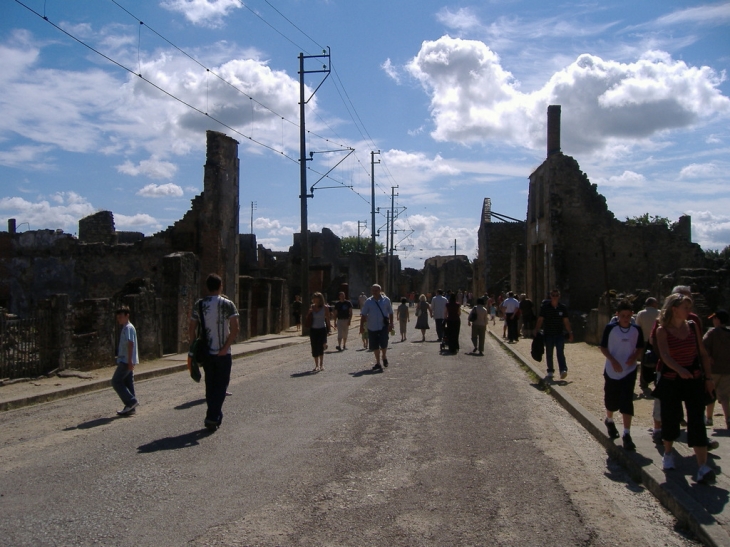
[91, 111]
[273, 227]
[627, 179]
[462, 19]
[137, 221]
[41, 214]
[168, 190]
[391, 70]
[31, 157]
[702, 170]
[203, 12]
[152, 168]
[606, 105]
[710, 14]
[710, 230]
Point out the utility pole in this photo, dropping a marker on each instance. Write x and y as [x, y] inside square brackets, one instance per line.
[454, 247]
[365, 225]
[304, 236]
[386, 281]
[391, 265]
[372, 212]
[253, 206]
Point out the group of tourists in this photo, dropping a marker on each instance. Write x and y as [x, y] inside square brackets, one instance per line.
[689, 370]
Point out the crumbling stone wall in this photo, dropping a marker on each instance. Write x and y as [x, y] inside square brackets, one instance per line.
[98, 228]
[500, 249]
[575, 243]
[447, 273]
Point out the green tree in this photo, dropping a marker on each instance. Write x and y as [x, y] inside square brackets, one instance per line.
[348, 244]
[646, 220]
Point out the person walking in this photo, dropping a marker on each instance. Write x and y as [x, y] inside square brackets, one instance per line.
[296, 310]
[685, 376]
[553, 321]
[510, 306]
[404, 317]
[219, 317]
[318, 320]
[127, 359]
[438, 313]
[646, 319]
[343, 308]
[422, 312]
[621, 344]
[453, 325]
[717, 343]
[377, 313]
[478, 318]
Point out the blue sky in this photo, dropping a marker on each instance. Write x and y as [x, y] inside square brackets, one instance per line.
[454, 95]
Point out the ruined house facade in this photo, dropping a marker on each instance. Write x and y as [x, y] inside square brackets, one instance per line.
[159, 277]
[574, 243]
[500, 253]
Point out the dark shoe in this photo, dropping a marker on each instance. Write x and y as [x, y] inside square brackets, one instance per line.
[628, 443]
[385, 362]
[338, 348]
[481, 353]
[377, 367]
[129, 409]
[211, 425]
[712, 444]
[611, 427]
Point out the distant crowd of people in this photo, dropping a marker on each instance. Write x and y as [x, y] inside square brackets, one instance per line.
[666, 348]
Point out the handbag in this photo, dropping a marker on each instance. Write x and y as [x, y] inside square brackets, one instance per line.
[200, 348]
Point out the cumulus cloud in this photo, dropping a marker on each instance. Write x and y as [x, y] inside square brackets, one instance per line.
[137, 221]
[152, 168]
[203, 12]
[273, 227]
[474, 99]
[627, 179]
[70, 208]
[91, 111]
[168, 190]
[711, 231]
[710, 170]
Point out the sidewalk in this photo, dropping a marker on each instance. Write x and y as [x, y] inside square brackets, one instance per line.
[42, 390]
[702, 508]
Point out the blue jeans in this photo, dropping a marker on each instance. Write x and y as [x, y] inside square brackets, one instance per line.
[123, 384]
[556, 341]
[217, 377]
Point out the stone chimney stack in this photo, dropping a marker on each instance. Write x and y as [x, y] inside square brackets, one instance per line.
[11, 226]
[553, 129]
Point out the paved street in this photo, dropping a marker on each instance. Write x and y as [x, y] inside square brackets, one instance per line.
[437, 450]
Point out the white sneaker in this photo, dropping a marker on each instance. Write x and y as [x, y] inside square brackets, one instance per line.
[668, 461]
[705, 474]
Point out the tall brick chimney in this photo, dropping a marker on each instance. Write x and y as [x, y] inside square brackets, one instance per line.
[553, 129]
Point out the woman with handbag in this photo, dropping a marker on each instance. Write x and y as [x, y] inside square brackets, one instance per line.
[422, 312]
[318, 321]
[684, 376]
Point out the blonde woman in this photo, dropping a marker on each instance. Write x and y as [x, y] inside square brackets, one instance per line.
[422, 311]
[318, 320]
[685, 376]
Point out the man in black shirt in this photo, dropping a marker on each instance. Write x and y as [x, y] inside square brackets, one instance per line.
[344, 316]
[554, 322]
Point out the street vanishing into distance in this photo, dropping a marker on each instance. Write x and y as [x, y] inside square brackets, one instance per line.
[436, 450]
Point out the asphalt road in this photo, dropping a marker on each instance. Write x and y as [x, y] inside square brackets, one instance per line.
[437, 450]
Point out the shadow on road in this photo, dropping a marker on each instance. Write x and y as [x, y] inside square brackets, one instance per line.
[366, 372]
[92, 423]
[174, 443]
[190, 404]
[303, 374]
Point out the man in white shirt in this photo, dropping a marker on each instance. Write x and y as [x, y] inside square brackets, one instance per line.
[377, 312]
[510, 307]
[438, 312]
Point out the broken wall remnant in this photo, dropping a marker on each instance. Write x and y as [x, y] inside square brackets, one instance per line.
[576, 244]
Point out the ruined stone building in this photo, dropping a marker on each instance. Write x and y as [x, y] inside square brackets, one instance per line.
[77, 283]
[500, 253]
[576, 244]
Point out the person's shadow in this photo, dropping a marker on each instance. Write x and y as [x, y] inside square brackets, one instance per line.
[303, 374]
[91, 423]
[190, 404]
[365, 372]
[174, 443]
